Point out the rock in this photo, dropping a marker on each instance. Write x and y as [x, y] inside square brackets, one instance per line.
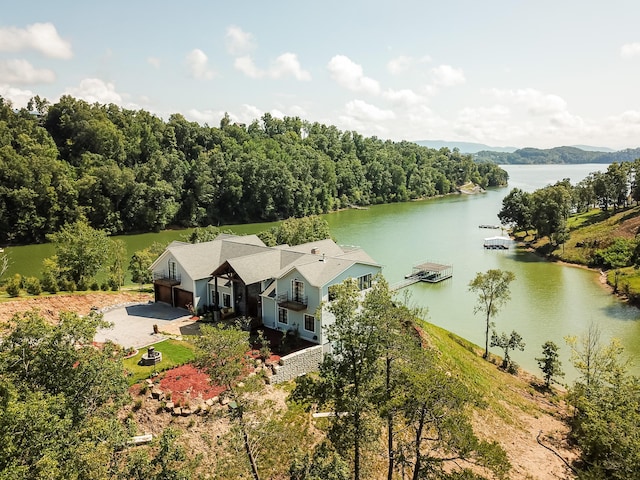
[258, 362]
[177, 411]
[240, 385]
[149, 382]
[169, 406]
[157, 394]
[209, 402]
[215, 400]
[224, 401]
[186, 412]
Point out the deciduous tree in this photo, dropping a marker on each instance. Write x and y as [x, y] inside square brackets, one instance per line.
[493, 292]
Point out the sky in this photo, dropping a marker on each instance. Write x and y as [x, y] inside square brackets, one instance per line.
[513, 73]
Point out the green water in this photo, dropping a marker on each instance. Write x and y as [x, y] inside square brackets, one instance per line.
[548, 301]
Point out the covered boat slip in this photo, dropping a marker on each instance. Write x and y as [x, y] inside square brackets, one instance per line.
[432, 272]
[425, 272]
[497, 243]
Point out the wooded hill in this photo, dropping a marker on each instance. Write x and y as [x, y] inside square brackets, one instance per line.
[129, 171]
[562, 155]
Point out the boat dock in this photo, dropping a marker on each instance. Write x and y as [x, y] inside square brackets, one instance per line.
[425, 272]
[497, 243]
[495, 227]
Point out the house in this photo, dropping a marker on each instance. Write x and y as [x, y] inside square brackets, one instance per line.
[283, 287]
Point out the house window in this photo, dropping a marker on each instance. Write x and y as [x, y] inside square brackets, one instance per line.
[172, 270]
[364, 282]
[226, 300]
[282, 315]
[309, 323]
[298, 290]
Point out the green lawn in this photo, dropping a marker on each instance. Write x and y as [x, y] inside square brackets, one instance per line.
[174, 353]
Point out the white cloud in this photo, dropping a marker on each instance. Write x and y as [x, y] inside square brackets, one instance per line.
[250, 113]
[210, 117]
[288, 64]
[18, 97]
[285, 65]
[402, 63]
[447, 76]
[41, 37]
[154, 62]
[404, 97]
[630, 50]
[535, 101]
[95, 90]
[362, 110]
[350, 75]
[198, 64]
[238, 41]
[245, 65]
[21, 72]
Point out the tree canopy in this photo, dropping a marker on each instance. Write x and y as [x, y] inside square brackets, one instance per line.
[131, 171]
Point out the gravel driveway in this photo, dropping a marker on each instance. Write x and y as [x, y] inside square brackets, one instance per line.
[133, 324]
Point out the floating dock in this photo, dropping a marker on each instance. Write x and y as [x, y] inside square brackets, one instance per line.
[425, 272]
[497, 243]
[495, 227]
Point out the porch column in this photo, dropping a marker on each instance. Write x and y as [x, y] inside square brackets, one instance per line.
[215, 293]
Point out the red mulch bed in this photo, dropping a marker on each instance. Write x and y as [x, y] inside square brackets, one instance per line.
[187, 382]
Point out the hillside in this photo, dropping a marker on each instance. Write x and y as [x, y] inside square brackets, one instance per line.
[512, 411]
[562, 155]
[591, 234]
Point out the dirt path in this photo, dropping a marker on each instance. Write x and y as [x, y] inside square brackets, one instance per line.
[51, 306]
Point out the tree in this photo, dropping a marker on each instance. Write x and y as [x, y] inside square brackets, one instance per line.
[117, 258]
[4, 263]
[606, 422]
[549, 363]
[60, 396]
[507, 344]
[493, 292]
[323, 464]
[516, 209]
[142, 260]
[81, 251]
[220, 351]
[295, 231]
[349, 372]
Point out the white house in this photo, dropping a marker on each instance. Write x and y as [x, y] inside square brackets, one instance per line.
[282, 287]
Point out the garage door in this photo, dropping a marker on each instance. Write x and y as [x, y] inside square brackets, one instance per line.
[183, 298]
[163, 293]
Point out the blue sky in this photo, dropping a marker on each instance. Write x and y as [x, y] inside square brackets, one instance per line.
[501, 72]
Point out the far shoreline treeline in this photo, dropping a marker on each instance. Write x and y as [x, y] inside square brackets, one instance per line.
[130, 171]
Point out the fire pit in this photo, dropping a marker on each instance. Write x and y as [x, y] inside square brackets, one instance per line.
[151, 357]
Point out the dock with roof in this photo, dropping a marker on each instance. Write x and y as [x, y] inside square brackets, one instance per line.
[429, 272]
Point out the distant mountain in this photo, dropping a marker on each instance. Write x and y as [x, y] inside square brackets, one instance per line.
[561, 155]
[464, 147]
[590, 148]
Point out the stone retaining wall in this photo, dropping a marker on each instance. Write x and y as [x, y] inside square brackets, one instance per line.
[296, 364]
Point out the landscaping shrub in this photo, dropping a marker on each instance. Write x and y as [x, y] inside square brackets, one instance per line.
[32, 286]
[14, 285]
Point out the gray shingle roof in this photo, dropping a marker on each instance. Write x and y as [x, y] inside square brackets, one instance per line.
[254, 262]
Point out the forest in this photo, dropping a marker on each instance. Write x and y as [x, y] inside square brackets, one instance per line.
[562, 155]
[131, 171]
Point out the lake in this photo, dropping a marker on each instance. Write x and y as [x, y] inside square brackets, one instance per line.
[548, 300]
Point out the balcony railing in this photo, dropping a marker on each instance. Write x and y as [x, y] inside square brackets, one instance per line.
[163, 278]
[292, 302]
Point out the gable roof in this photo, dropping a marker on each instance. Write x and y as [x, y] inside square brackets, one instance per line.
[198, 260]
[319, 262]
